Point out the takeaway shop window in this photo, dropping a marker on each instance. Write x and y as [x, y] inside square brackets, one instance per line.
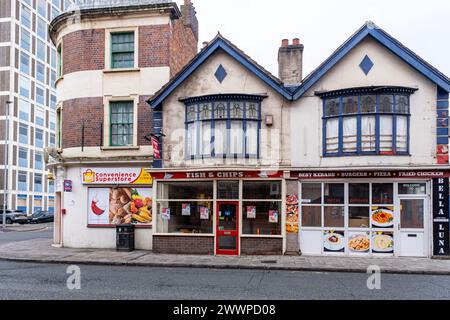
[382, 193]
[185, 207]
[185, 190]
[227, 190]
[366, 124]
[412, 188]
[223, 127]
[261, 208]
[262, 190]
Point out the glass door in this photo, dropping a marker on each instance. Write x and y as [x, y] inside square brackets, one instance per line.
[413, 239]
[227, 233]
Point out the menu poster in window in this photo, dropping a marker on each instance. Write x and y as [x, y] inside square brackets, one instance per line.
[185, 209]
[383, 242]
[113, 206]
[98, 209]
[382, 217]
[204, 213]
[251, 212]
[333, 241]
[359, 242]
[273, 216]
[165, 213]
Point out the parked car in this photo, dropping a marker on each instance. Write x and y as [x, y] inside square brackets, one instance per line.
[40, 216]
[14, 216]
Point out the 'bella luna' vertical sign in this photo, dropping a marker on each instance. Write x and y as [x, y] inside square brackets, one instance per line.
[441, 216]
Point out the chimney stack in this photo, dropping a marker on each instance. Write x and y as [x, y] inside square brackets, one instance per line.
[290, 61]
[189, 16]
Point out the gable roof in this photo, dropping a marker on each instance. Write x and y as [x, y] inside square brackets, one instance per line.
[369, 29]
[219, 43]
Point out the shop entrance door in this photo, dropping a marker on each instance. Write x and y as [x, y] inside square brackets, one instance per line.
[412, 227]
[227, 233]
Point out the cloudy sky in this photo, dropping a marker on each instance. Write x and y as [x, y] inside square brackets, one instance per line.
[257, 26]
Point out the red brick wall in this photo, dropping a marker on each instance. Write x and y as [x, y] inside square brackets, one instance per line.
[183, 46]
[261, 246]
[154, 46]
[183, 245]
[74, 112]
[145, 120]
[84, 50]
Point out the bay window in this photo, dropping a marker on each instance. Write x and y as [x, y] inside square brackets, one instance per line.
[366, 121]
[223, 126]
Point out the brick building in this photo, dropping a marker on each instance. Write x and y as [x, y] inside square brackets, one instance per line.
[110, 61]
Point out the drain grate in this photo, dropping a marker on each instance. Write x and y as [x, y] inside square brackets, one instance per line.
[269, 261]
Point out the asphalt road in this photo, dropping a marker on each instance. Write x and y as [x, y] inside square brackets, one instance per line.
[22, 232]
[47, 281]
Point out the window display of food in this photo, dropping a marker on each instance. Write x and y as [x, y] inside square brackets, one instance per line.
[382, 242]
[333, 241]
[382, 217]
[292, 213]
[359, 242]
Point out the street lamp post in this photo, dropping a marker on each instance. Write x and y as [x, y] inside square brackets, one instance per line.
[5, 173]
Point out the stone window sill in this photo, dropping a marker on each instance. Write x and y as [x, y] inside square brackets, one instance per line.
[122, 70]
[120, 148]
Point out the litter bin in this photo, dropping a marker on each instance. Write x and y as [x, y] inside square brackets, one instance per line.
[125, 237]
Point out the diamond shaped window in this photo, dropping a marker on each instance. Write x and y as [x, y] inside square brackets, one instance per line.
[366, 65]
[220, 74]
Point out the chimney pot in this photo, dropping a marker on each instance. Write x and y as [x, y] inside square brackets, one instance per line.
[284, 42]
[296, 42]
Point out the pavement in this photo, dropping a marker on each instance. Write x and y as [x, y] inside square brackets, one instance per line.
[40, 250]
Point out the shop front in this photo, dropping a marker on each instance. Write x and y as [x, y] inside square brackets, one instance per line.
[217, 212]
[389, 213]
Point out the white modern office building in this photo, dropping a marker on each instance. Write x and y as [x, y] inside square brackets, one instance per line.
[28, 72]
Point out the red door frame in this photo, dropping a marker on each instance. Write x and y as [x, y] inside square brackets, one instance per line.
[227, 233]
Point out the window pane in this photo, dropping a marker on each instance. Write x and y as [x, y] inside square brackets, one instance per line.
[23, 157]
[41, 50]
[358, 217]
[411, 214]
[358, 193]
[402, 133]
[220, 110]
[311, 193]
[227, 190]
[186, 224]
[185, 190]
[386, 133]
[385, 103]
[368, 138]
[334, 193]
[205, 137]
[25, 17]
[412, 188]
[42, 28]
[332, 107]
[237, 110]
[24, 63]
[40, 72]
[311, 216]
[350, 134]
[349, 105]
[262, 190]
[25, 40]
[382, 193]
[123, 60]
[333, 217]
[24, 110]
[191, 140]
[252, 110]
[252, 138]
[24, 87]
[402, 104]
[261, 224]
[236, 138]
[368, 104]
[332, 138]
[122, 123]
[205, 112]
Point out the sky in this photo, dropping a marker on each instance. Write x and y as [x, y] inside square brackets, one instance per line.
[258, 26]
